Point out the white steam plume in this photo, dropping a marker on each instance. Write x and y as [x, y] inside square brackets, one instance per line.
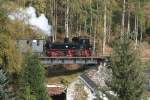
[28, 15]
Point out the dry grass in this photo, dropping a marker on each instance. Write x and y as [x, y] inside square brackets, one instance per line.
[72, 66]
[145, 50]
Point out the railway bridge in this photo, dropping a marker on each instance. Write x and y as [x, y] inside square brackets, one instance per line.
[74, 60]
[78, 60]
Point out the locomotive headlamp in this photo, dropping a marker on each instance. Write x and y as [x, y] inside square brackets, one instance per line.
[66, 46]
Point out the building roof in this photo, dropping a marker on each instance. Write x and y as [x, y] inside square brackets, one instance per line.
[55, 89]
[88, 82]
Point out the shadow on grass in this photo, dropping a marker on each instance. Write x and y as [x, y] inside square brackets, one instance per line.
[58, 70]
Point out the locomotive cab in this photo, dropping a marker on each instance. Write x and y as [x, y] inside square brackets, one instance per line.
[84, 42]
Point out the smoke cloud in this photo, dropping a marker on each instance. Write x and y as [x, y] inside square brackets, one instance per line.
[28, 15]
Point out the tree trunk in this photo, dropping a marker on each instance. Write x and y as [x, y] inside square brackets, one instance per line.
[66, 21]
[135, 28]
[80, 30]
[110, 21]
[141, 24]
[91, 19]
[85, 30]
[128, 30]
[105, 26]
[136, 31]
[123, 18]
[109, 31]
[77, 28]
[55, 20]
[94, 43]
[141, 32]
[71, 25]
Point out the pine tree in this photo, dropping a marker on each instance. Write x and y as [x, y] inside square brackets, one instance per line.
[127, 73]
[34, 76]
[3, 84]
[10, 58]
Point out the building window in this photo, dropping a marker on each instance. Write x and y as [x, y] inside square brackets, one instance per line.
[38, 42]
[27, 41]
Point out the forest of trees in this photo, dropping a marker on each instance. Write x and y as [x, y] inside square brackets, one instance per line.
[102, 20]
[16, 68]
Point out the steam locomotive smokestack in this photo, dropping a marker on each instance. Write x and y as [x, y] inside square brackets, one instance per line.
[66, 40]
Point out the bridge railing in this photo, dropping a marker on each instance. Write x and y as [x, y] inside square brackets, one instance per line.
[72, 60]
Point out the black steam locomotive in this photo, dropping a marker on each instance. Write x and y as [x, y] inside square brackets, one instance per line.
[78, 47]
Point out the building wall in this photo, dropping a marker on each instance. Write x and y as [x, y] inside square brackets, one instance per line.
[35, 46]
[24, 45]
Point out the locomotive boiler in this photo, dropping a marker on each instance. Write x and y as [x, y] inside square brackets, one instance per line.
[77, 47]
